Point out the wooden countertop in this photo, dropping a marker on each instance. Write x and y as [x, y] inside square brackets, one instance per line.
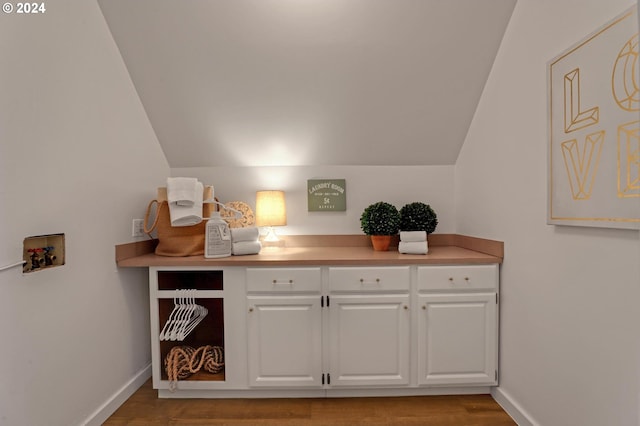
[328, 250]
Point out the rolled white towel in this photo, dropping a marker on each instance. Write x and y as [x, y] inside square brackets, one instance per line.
[245, 234]
[182, 191]
[245, 247]
[413, 247]
[187, 215]
[411, 236]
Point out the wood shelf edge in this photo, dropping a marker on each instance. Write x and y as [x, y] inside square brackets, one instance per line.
[200, 376]
[134, 249]
[126, 251]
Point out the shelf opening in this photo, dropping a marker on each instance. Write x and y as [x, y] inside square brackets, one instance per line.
[184, 280]
[209, 332]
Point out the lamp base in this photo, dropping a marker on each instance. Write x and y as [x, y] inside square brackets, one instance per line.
[271, 235]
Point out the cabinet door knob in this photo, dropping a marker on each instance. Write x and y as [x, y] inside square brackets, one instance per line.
[466, 278]
[406, 308]
[424, 307]
[450, 278]
[250, 309]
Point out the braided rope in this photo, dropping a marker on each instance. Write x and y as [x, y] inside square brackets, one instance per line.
[177, 362]
[214, 359]
[183, 361]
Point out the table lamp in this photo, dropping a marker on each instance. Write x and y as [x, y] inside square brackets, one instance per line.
[270, 211]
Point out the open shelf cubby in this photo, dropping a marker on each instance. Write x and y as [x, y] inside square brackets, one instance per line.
[195, 280]
[210, 331]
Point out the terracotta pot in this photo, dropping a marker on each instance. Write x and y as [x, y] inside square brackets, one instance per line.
[381, 242]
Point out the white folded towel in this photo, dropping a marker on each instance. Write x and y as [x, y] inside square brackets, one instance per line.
[411, 236]
[245, 247]
[182, 191]
[413, 247]
[187, 215]
[245, 234]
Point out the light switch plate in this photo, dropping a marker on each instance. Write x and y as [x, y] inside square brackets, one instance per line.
[137, 228]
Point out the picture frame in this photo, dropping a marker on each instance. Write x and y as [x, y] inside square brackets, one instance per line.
[326, 195]
[594, 129]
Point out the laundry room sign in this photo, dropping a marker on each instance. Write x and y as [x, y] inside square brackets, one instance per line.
[326, 195]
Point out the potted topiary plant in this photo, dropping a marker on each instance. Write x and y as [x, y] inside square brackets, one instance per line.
[418, 216]
[380, 220]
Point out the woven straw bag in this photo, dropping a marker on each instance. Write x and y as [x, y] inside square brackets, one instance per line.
[177, 240]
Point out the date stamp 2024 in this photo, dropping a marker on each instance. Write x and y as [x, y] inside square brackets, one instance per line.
[24, 8]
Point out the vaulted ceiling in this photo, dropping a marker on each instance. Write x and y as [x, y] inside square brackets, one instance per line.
[309, 82]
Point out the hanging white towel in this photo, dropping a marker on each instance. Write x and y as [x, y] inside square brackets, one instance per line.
[182, 191]
[245, 234]
[185, 215]
[411, 236]
[245, 247]
[413, 247]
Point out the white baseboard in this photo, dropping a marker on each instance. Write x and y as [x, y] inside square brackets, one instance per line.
[117, 399]
[515, 410]
[319, 393]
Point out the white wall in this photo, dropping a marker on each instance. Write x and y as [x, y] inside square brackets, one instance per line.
[77, 156]
[570, 316]
[365, 185]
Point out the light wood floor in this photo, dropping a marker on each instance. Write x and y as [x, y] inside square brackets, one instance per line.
[144, 408]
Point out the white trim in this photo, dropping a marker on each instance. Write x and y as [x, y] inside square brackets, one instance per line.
[321, 392]
[513, 408]
[110, 406]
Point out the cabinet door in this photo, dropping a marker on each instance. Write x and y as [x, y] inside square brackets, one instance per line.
[369, 340]
[284, 347]
[457, 341]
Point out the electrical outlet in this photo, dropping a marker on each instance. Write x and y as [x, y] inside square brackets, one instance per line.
[137, 229]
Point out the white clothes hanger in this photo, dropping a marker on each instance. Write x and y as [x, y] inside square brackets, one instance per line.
[184, 317]
[198, 314]
[166, 330]
[187, 313]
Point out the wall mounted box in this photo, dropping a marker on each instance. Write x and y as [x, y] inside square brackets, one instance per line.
[43, 251]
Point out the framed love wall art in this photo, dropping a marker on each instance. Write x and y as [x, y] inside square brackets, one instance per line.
[594, 129]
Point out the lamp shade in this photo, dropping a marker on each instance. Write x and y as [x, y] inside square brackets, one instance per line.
[270, 208]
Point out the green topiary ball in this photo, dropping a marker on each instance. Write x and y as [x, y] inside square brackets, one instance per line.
[380, 218]
[418, 216]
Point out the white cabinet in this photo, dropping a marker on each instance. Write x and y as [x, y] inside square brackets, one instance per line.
[284, 327]
[457, 336]
[366, 333]
[369, 340]
[335, 330]
[369, 326]
[363, 280]
[218, 292]
[458, 325]
[284, 341]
